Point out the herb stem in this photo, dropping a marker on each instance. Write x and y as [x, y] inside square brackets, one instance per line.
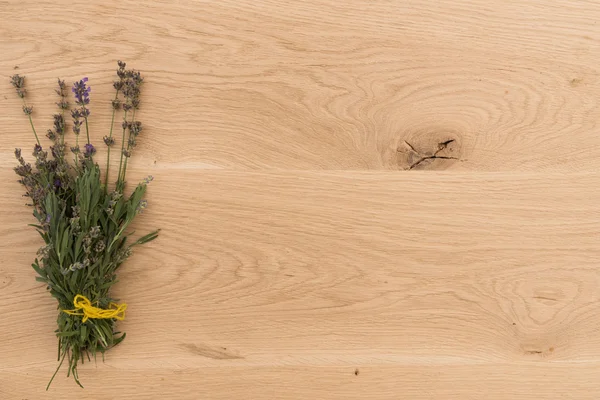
[64, 128]
[119, 182]
[128, 145]
[58, 368]
[31, 123]
[112, 123]
[77, 154]
[87, 130]
[62, 108]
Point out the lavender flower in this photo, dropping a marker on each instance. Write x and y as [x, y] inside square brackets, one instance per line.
[121, 74]
[81, 92]
[100, 246]
[38, 196]
[90, 150]
[24, 170]
[61, 91]
[58, 151]
[62, 86]
[75, 266]
[44, 251]
[19, 157]
[109, 141]
[132, 82]
[135, 128]
[132, 87]
[148, 179]
[41, 157]
[51, 135]
[121, 70]
[76, 115]
[37, 149]
[142, 206]
[18, 83]
[59, 124]
[45, 221]
[87, 244]
[95, 232]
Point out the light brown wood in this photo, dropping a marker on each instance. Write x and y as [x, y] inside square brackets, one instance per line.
[497, 381]
[297, 272]
[312, 248]
[323, 84]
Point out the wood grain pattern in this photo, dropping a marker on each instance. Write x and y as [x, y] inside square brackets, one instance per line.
[305, 252]
[317, 84]
[338, 271]
[498, 381]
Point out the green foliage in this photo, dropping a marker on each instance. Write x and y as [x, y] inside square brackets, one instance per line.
[83, 232]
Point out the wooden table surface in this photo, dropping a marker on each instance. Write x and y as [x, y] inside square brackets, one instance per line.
[385, 199]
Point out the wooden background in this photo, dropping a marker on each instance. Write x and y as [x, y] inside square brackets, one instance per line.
[384, 199]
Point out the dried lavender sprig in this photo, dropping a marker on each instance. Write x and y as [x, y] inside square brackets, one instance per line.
[63, 105]
[131, 92]
[109, 141]
[19, 84]
[90, 150]
[82, 97]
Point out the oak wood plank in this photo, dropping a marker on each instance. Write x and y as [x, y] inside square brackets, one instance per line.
[301, 271]
[469, 85]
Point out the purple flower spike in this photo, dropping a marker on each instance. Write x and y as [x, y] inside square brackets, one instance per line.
[90, 150]
[81, 92]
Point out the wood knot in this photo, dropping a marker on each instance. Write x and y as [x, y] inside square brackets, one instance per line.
[427, 149]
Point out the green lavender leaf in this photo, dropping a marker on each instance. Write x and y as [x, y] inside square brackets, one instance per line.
[40, 271]
[67, 334]
[83, 331]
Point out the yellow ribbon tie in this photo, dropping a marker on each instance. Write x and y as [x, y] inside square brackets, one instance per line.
[83, 306]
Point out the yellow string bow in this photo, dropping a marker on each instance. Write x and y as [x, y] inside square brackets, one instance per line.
[83, 306]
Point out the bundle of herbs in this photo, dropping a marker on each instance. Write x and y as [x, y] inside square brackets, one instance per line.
[84, 224]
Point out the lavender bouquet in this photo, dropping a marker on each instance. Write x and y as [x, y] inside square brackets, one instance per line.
[84, 225]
